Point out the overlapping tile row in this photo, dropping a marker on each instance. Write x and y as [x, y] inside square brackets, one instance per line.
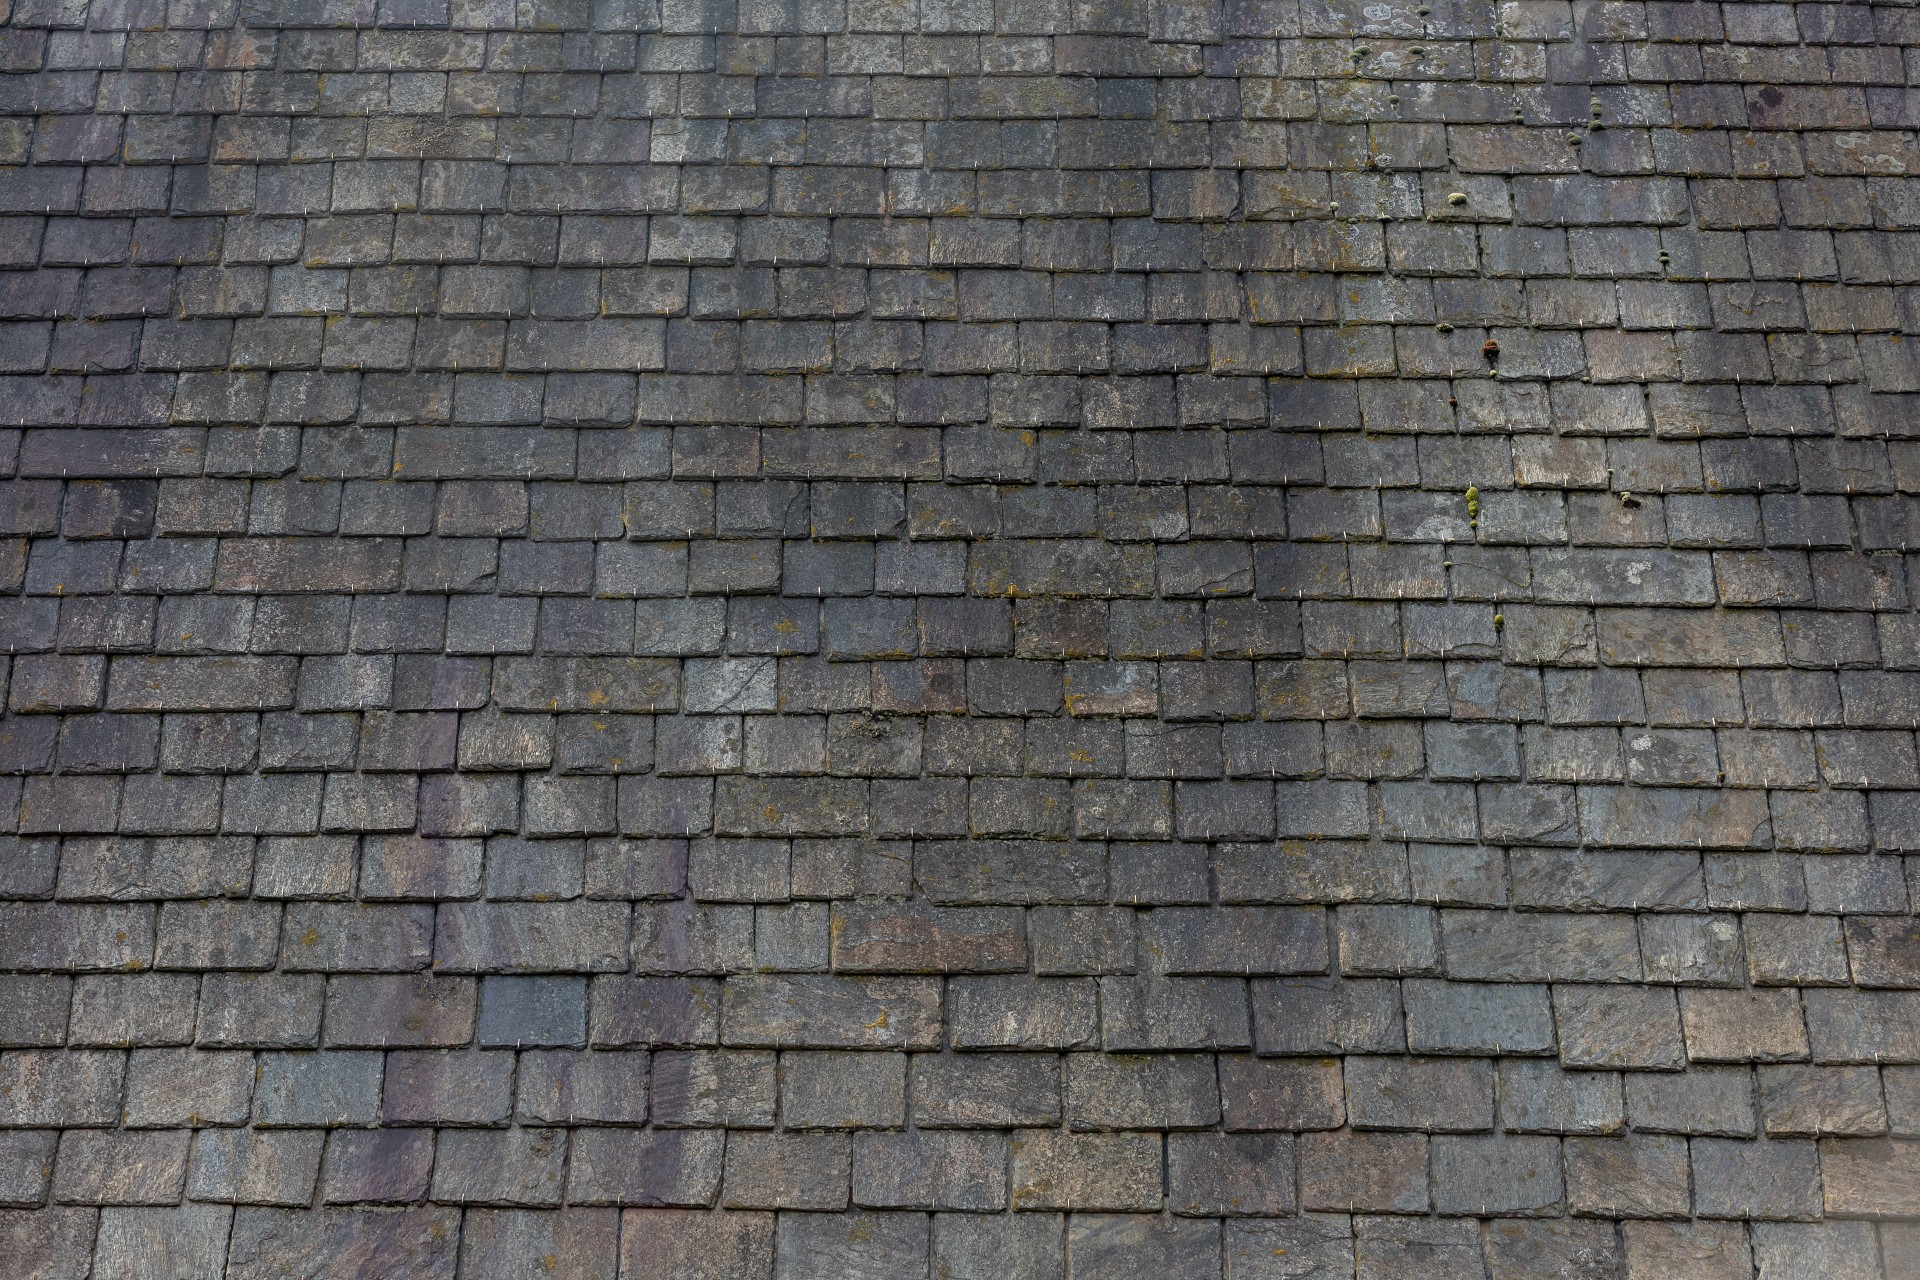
[822, 639]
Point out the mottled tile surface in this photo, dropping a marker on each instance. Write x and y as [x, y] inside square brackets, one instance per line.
[822, 639]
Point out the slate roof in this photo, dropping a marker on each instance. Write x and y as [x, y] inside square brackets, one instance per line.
[868, 639]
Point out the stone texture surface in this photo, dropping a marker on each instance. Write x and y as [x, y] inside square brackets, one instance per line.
[959, 638]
